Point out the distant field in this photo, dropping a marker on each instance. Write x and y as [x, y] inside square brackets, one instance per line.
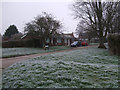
[83, 68]
[11, 52]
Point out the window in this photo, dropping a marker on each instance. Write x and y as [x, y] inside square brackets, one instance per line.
[65, 40]
[48, 40]
[58, 40]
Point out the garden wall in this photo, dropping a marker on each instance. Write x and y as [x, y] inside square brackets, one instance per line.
[114, 43]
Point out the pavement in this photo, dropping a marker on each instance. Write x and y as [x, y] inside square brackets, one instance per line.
[6, 62]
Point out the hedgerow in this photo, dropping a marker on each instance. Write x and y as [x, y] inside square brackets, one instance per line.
[114, 43]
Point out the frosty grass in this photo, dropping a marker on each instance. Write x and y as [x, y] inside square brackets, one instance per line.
[11, 52]
[83, 68]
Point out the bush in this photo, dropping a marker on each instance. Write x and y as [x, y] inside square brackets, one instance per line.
[114, 43]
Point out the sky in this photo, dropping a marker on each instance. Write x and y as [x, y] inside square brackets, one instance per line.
[20, 12]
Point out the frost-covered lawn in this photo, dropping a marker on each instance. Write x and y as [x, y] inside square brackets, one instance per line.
[11, 52]
[83, 68]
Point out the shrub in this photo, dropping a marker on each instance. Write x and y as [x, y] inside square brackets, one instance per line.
[114, 43]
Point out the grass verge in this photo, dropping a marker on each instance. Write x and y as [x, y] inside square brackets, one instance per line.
[83, 68]
[13, 52]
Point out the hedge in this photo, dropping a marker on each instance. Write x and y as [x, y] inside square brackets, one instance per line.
[20, 43]
[114, 43]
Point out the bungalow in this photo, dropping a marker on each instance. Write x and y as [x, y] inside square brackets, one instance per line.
[56, 40]
[61, 39]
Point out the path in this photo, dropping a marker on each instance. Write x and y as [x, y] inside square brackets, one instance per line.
[6, 62]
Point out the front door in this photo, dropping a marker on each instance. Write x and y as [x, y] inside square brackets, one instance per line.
[54, 41]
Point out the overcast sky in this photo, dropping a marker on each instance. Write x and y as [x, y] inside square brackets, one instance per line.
[19, 13]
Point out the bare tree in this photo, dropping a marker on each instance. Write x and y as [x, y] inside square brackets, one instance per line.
[97, 15]
[86, 30]
[43, 26]
[115, 24]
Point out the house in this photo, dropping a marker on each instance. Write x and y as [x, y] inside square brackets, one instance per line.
[83, 36]
[91, 38]
[55, 40]
[5, 38]
[61, 39]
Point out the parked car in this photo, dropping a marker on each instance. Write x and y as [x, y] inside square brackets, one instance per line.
[76, 44]
[84, 43]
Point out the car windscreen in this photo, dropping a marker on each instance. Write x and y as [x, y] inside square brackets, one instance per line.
[75, 42]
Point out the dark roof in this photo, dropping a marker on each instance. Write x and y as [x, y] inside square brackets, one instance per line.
[70, 35]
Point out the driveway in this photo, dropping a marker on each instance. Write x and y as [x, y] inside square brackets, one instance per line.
[6, 62]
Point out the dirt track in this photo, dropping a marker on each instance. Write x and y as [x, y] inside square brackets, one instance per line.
[6, 62]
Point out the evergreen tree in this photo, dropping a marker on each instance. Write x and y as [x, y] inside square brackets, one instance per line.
[12, 29]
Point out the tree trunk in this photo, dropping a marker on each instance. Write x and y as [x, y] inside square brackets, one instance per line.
[101, 45]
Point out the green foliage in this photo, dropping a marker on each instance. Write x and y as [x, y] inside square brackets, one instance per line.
[12, 29]
[114, 43]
